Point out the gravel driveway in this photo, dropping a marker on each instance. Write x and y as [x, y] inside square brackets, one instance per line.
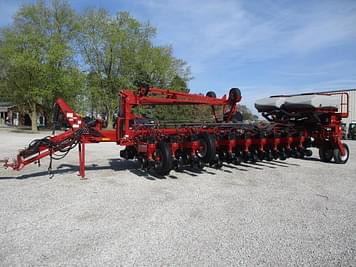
[294, 212]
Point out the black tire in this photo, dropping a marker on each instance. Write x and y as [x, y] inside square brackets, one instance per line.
[254, 157]
[207, 152]
[247, 156]
[282, 155]
[238, 156]
[301, 154]
[325, 154]
[165, 164]
[308, 153]
[211, 94]
[200, 164]
[234, 94]
[128, 153]
[269, 155]
[339, 159]
[218, 164]
[261, 155]
[180, 164]
[275, 154]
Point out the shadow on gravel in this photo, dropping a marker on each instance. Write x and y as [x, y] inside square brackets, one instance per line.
[272, 164]
[132, 166]
[44, 173]
[234, 167]
[114, 164]
[283, 163]
[262, 164]
[317, 159]
[252, 166]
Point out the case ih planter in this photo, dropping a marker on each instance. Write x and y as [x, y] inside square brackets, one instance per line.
[296, 123]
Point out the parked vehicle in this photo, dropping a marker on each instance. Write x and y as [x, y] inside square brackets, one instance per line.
[344, 130]
[352, 131]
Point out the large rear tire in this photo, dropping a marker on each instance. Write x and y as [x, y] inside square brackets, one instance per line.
[339, 159]
[163, 161]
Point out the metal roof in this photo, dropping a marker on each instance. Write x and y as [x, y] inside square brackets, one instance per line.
[337, 90]
[4, 106]
[318, 92]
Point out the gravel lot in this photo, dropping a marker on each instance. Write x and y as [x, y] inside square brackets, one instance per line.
[297, 212]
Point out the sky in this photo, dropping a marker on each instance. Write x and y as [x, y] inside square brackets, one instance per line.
[262, 47]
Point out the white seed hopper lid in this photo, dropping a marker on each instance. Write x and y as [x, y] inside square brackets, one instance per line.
[269, 103]
[313, 101]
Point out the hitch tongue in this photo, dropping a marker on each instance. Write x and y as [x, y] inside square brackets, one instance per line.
[8, 164]
[5, 161]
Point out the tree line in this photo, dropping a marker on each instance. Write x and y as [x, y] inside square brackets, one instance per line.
[50, 51]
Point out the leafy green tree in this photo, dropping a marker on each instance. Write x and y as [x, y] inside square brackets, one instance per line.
[38, 59]
[246, 113]
[3, 68]
[175, 113]
[38, 50]
[120, 54]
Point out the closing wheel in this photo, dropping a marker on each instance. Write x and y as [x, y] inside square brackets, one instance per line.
[179, 164]
[338, 157]
[261, 155]
[218, 163]
[301, 154]
[163, 159]
[282, 155]
[238, 157]
[325, 154]
[269, 155]
[247, 156]
[200, 164]
[207, 150]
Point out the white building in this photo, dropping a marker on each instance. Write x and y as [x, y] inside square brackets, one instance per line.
[352, 105]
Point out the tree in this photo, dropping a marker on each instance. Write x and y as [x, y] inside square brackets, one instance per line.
[3, 68]
[246, 113]
[38, 53]
[38, 50]
[119, 53]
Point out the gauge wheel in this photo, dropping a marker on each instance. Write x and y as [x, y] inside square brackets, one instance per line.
[207, 150]
[163, 159]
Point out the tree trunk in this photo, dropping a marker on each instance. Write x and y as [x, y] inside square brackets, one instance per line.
[21, 119]
[110, 121]
[34, 118]
[48, 114]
